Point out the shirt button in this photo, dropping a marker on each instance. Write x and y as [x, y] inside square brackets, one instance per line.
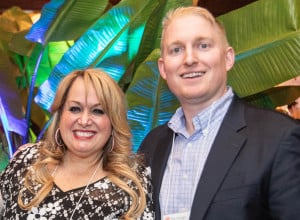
[189, 145]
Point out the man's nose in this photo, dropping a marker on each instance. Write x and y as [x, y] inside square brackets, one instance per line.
[190, 56]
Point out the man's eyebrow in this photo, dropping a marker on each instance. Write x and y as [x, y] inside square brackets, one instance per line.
[177, 42]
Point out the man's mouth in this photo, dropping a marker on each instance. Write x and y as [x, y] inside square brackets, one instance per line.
[192, 75]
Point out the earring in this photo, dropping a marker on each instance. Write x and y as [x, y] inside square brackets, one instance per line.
[57, 138]
[112, 143]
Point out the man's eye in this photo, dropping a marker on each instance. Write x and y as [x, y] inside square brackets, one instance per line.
[98, 111]
[175, 50]
[203, 46]
[74, 109]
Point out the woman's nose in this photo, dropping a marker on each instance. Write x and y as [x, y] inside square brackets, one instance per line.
[84, 119]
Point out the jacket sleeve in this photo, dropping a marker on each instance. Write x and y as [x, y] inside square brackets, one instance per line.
[284, 189]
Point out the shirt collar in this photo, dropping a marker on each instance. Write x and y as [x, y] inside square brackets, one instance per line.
[209, 115]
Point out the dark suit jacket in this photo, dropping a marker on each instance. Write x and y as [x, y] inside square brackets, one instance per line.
[252, 171]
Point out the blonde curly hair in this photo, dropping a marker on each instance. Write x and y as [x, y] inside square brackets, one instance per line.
[118, 160]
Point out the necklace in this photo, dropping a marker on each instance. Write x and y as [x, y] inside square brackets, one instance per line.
[85, 189]
[54, 171]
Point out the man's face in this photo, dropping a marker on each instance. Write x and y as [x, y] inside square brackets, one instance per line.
[195, 60]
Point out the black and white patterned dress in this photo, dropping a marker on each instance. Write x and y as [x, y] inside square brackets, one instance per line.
[101, 200]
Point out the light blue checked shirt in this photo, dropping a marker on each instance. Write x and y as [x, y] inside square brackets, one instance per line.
[188, 155]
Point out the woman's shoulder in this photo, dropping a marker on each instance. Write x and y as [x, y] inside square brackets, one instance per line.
[25, 155]
[139, 164]
[29, 150]
[19, 162]
[144, 172]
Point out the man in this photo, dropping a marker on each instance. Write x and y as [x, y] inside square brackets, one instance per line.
[217, 158]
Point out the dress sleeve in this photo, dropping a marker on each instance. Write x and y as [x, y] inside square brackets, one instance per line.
[1, 206]
[148, 213]
[11, 176]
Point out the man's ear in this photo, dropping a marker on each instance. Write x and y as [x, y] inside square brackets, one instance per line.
[230, 58]
[161, 67]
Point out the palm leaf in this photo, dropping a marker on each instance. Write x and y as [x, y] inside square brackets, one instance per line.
[266, 38]
[60, 20]
[12, 21]
[51, 55]
[16, 24]
[275, 96]
[149, 100]
[152, 33]
[266, 56]
[11, 114]
[104, 43]
[42, 63]
[66, 19]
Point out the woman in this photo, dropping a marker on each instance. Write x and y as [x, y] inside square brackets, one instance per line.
[84, 168]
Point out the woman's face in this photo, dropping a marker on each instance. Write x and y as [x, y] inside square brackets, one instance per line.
[85, 128]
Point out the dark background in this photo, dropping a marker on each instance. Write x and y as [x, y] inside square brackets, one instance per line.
[217, 7]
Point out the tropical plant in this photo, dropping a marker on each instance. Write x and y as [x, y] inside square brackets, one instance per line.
[123, 38]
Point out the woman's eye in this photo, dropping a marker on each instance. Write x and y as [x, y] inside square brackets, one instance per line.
[98, 111]
[74, 109]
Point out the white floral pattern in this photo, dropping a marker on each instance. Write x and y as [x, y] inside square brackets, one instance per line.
[102, 200]
[36, 213]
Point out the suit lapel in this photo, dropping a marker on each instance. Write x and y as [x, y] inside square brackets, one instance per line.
[224, 150]
[161, 155]
[159, 164]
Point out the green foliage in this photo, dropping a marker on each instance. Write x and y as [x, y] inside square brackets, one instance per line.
[266, 39]
[124, 39]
